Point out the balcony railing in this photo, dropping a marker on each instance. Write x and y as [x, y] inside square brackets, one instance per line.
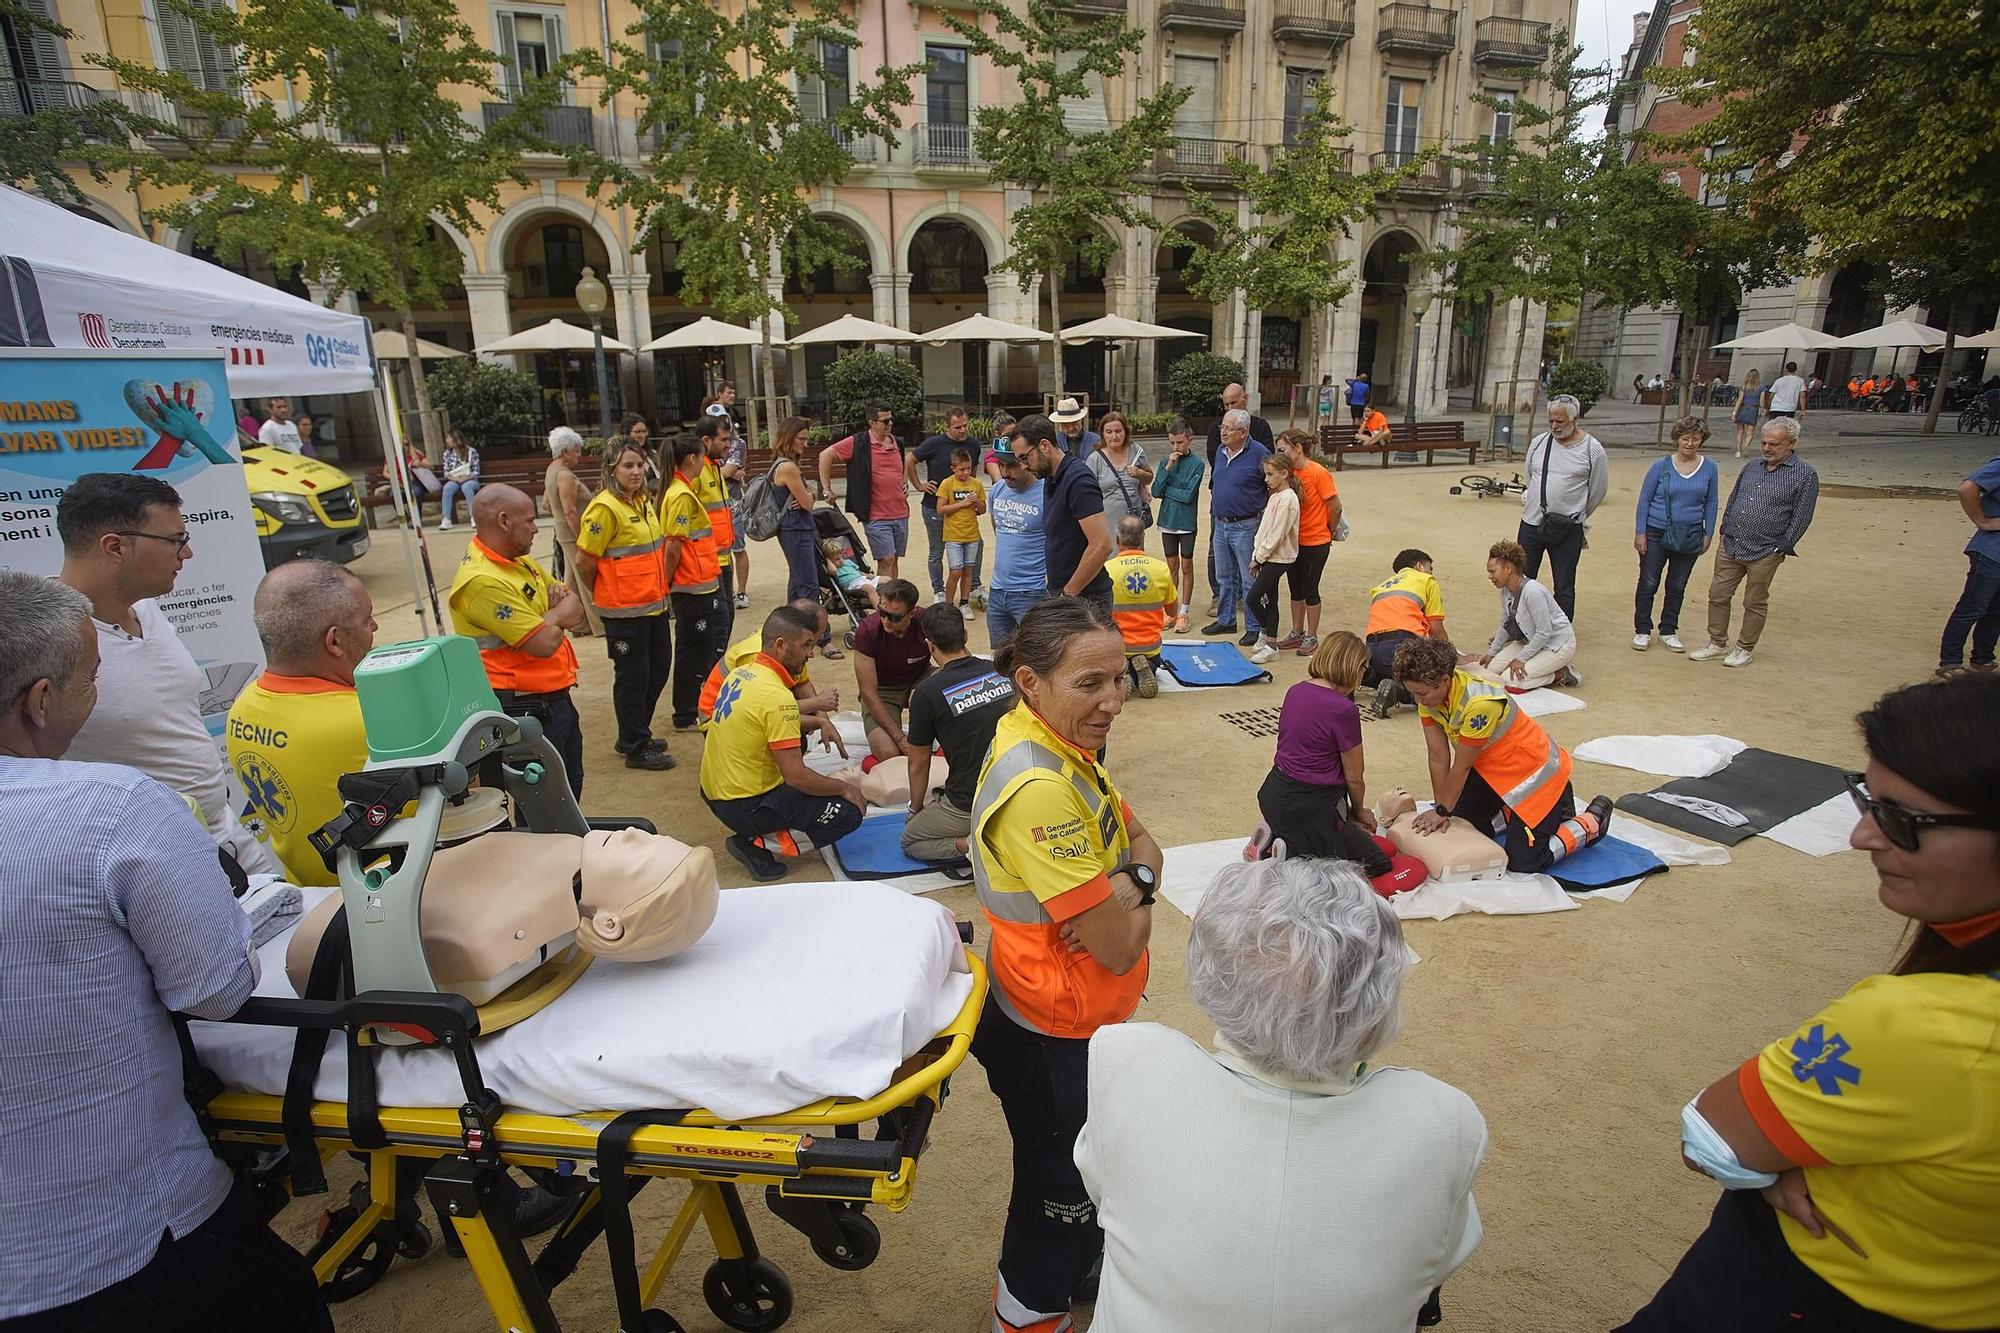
[1329, 21]
[1098, 7]
[1343, 157]
[860, 147]
[1434, 177]
[1201, 159]
[1424, 30]
[562, 126]
[1503, 41]
[1203, 15]
[26, 97]
[944, 146]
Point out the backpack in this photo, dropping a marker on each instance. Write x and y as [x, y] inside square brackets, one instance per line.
[763, 506]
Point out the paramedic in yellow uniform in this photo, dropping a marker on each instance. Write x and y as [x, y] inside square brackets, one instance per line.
[1065, 874]
[1142, 593]
[815, 704]
[694, 573]
[717, 433]
[1488, 759]
[753, 771]
[520, 617]
[1860, 1154]
[296, 729]
[1406, 605]
[618, 554]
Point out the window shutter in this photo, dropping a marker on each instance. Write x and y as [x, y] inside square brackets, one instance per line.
[552, 28]
[1086, 113]
[510, 55]
[1195, 118]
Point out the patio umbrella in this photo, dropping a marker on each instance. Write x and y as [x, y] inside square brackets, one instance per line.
[984, 328]
[1781, 339]
[1981, 340]
[554, 336]
[1117, 328]
[704, 332]
[853, 329]
[1903, 333]
[391, 346]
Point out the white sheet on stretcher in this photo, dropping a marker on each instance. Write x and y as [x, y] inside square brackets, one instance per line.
[797, 992]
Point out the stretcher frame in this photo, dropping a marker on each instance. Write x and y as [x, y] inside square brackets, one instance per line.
[817, 1172]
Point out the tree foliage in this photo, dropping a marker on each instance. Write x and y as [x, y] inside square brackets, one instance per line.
[60, 127]
[486, 402]
[1586, 381]
[343, 178]
[1196, 382]
[861, 378]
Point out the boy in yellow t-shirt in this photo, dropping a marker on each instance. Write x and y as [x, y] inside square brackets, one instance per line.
[961, 499]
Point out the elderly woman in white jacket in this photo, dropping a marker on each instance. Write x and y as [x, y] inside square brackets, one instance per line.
[1535, 644]
[1283, 1180]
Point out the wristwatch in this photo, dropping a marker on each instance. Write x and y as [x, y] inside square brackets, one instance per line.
[1148, 882]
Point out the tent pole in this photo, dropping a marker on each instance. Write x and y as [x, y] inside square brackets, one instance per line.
[399, 483]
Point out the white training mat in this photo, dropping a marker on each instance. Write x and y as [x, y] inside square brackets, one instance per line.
[1544, 701]
[1668, 756]
[823, 759]
[1189, 870]
[1820, 831]
[797, 992]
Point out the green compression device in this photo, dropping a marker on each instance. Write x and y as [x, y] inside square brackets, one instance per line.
[416, 695]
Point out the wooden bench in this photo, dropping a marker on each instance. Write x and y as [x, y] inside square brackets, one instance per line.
[1425, 437]
[527, 475]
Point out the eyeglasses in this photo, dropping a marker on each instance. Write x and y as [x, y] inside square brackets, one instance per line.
[180, 540]
[896, 617]
[1901, 825]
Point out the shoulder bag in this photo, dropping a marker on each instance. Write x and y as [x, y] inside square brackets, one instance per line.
[1558, 528]
[1681, 538]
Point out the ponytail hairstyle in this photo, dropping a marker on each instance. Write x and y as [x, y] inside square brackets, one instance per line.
[1042, 639]
[615, 449]
[1921, 733]
[1283, 464]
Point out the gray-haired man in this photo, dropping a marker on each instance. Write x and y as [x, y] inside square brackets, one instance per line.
[1568, 476]
[1768, 511]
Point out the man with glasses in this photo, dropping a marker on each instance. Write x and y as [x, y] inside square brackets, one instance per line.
[1076, 540]
[124, 542]
[891, 654]
[874, 492]
[1020, 571]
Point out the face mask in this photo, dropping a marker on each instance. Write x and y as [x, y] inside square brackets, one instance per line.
[1709, 1151]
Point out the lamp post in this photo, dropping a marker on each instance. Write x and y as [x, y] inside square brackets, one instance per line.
[590, 295]
[1419, 296]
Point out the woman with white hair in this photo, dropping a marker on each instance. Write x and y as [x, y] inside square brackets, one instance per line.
[566, 493]
[1283, 1180]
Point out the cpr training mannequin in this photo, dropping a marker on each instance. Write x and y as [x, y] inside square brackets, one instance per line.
[887, 784]
[1455, 854]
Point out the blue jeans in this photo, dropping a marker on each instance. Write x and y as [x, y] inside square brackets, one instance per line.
[1677, 568]
[1004, 609]
[1233, 540]
[934, 553]
[1977, 613]
[452, 489]
[798, 539]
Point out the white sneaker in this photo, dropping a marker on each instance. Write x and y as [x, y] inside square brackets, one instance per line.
[1641, 642]
[1570, 678]
[1266, 650]
[444, 527]
[1672, 643]
[1737, 657]
[742, 601]
[1708, 652]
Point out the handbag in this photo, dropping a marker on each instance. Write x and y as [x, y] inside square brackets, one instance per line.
[1558, 528]
[1133, 505]
[1682, 538]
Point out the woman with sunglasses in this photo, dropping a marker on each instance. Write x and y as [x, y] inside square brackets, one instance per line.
[1860, 1155]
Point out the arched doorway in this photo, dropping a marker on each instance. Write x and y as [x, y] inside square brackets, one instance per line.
[1385, 321]
[1085, 366]
[948, 282]
[546, 255]
[1854, 302]
[680, 379]
[820, 289]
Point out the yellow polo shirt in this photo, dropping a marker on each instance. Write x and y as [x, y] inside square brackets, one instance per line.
[755, 715]
[497, 603]
[741, 653]
[290, 739]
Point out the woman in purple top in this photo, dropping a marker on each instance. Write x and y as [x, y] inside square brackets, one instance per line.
[1314, 798]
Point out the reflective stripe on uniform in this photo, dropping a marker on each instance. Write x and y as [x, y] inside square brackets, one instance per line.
[632, 612]
[641, 549]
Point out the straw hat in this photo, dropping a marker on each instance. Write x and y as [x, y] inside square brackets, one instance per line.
[1067, 410]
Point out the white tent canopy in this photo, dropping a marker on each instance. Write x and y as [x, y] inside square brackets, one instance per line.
[1991, 338]
[555, 336]
[853, 329]
[984, 328]
[390, 345]
[704, 332]
[1781, 339]
[1117, 328]
[1902, 333]
[69, 281]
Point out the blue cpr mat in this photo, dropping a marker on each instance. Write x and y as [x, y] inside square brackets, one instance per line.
[1196, 665]
[875, 850]
[1610, 860]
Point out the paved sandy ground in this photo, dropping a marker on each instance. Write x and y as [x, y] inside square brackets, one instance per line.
[1578, 1034]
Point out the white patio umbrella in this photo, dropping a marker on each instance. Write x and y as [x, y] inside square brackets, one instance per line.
[853, 329]
[390, 345]
[554, 336]
[1988, 339]
[1902, 333]
[1781, 339]
[704, 332]
[984, 328]
[1117, 328]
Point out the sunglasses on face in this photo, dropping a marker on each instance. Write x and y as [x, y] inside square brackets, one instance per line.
[1900, 825]
[896, 617]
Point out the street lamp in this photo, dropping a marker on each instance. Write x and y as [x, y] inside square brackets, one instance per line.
[590, 295]
[1419, 297]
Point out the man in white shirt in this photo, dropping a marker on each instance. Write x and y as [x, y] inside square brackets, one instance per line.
[280, 432]
[1788, 394]
[1568, 477]
[124, 542]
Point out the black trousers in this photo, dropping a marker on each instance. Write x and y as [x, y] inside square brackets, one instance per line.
[231, 1274]
[1264, 598]
[1527, 844]
[1306, 571]
[1741, 1277]
[557, 713]
[695, 650]
[1313, 822]
[1562, 555]
[827, 818]
[1382, 654]
[642, 651]
[1042, 1082]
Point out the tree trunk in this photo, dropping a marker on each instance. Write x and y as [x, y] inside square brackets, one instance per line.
[1055, 327]
[1944, 368]
[1686, 397]
[766, 363]
[426, 421]
[1514, 383]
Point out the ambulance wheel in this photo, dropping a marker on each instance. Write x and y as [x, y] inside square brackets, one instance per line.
[765, 1302]
[860, 1242]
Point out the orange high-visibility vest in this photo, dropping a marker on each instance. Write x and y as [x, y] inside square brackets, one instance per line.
[491, 593]
[684, 516]
[1141, 591]
[1518, 760]
[625, 537]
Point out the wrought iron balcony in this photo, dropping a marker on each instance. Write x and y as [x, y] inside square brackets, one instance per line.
[1423, 30]
[860, 147]
[1343, 157]
[26, 97]
[1096, 8]
[562, 126]
[1434, 177]
[1328, 21]
[1202, 15]
[944, 146]
[1201, 159]
[1506, 41]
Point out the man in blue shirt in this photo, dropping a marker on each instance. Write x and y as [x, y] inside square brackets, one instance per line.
[1237, 498]
[1075, 539]
[1358, 390]
[108, 930]
[1768, 512]
[1978, 609]
[1020, 569]
[935, 454]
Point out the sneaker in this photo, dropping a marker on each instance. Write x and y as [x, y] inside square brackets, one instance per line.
[1308, 645]
[1149, 682]
[1260, 839]
[1217, 627]
[742, 601]
[1984, 668]
[1215, 610]
[653, 761]
[965, 609]
[1125, 685]
[1708, 652]
[1569, 679]
[445, 526]
[686, 726]
[1385, 698]
[978, 600]
[1672, 643]
[763, 866]
[1181, 624]
[1266, 650]
[1950, 672]
[1641, 642]
[1738, 657]
[960, 871]
[1600, 806]
[1291, 641]
[1250, 638]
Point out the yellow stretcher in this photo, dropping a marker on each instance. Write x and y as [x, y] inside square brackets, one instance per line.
[817, 1171]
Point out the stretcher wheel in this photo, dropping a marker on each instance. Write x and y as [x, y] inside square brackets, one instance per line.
[763, 1301]
[860, 1242]
[365, 1266]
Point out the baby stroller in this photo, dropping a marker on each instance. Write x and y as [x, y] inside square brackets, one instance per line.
[829, 522]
